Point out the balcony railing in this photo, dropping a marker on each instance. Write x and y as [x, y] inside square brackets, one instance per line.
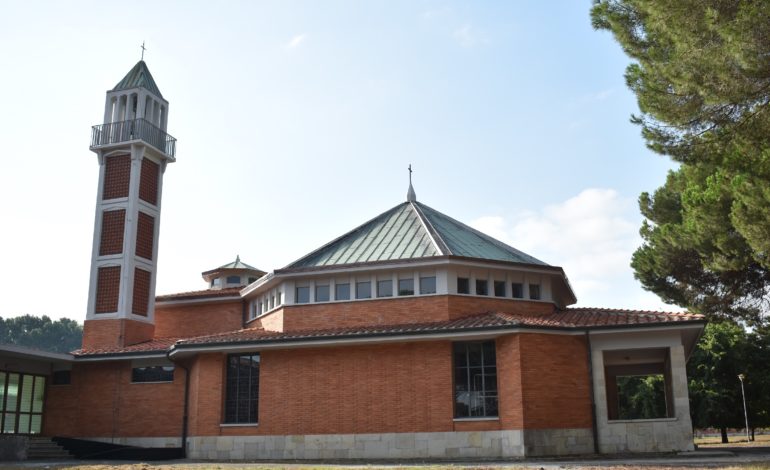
[134, 129]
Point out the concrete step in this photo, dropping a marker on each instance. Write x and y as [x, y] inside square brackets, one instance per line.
[41, 448]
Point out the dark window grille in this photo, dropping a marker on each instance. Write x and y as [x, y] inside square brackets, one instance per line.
[499, 288]
[534, 291]
[518, 290]
[463, 285]
[406, 287]
[427, 285]
[482, 287]
[475, 379]
[242, 388]
[233, 279]
[152, 374]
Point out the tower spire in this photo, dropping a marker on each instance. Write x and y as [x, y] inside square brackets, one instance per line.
[410, 194]
[143, 49]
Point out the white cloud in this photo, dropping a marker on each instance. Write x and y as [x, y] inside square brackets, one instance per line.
[296, 41]
[468, 36]
[592, 236]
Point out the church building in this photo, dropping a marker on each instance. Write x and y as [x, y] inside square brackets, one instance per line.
[410, 336]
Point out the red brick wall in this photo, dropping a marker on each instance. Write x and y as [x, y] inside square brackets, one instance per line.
[391, 311]
[107, 289]
[113, 226]
[141, 297]
[511, 408]
[115, 333]
[117, 176]
[554, 374]
[463, 306]
[145, 234]
[178, 321]
[363, 389]
[102, 402]
[148, 183]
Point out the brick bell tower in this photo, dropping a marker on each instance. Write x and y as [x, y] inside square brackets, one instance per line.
[133, 150]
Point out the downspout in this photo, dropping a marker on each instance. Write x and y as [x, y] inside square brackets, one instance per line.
[186, 401]
[594, 425]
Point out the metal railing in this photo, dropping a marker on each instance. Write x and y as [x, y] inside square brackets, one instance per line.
[134, 129]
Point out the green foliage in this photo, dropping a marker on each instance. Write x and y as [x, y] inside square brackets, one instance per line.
[725, 350]
[701, 74]
[63, 335]
[641, 397]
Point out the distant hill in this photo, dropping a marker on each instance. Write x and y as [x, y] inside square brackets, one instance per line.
[61, 336]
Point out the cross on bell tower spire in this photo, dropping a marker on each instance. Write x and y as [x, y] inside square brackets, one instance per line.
[410, 194]
[143, 49]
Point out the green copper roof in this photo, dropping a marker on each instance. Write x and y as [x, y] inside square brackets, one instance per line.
[407, 231]
[237, 264]
[139, 76]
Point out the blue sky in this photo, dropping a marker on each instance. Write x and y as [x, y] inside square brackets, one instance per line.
[296, 122]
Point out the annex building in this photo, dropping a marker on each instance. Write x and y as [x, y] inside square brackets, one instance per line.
[410, 336]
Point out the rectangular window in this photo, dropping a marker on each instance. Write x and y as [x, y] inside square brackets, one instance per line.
[242, 388]
[475, 379]
[518, 290]
[463, 285]
[272, 302]
[257, 309]
[481, 287]
[534, 291]
[428, 285]
[233, 279]
[342, 292]
[152, 374]
[364, 290]
[322, 293]
[303, 295]
[385, 288]
[406, 286]
[21, 403]
[279, 298]
[499, 288]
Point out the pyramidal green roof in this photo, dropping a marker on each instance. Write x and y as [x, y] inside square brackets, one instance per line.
[411, 230]
[137, 77]
[237, 264]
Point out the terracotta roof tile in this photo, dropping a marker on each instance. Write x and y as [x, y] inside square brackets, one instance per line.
[154, 345]
[201, 294]
[572, 318]
[565, 319]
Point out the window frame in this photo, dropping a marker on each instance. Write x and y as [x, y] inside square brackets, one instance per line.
[469, 381]
[227, 397]
[464, 282]
[409, 291]
[161, 381]
[424, 291]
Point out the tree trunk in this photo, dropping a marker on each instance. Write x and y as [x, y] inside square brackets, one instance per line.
[723, 430]
[752, 433]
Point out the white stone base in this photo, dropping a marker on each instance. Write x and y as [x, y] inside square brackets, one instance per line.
[663, 435]
[435, 445]
[541, 442]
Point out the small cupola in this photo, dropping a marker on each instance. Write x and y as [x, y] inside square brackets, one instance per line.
[234, 274]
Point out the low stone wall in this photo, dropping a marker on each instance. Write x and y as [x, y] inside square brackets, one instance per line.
[661, 435]
[436, 445]
[550, 442]
[13, 448]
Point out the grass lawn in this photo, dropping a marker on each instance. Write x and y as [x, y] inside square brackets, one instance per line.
[735, 441]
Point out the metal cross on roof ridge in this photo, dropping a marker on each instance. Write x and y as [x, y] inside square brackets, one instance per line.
[143, 49]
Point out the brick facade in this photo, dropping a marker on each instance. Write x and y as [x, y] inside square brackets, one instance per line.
[113, 226]
[145, 235]
[117, 176]
[107, 289]
[141, 297]
[148, 182]
[185, 320]
[115, 333]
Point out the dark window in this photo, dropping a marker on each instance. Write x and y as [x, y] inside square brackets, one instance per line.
[252, 279]
[61, 377]
[272, 301]
[233, 279]
[499, 288]
[428, 285]
[216, 282]
[482, 287]
[406, 287]
[475, 379]
[152, 374]
[279, 299]
[463, 285]
[342, 292]
[322, 293]
[242, 388]
[303, 295]
[534, 291]
[518, 290]
[385, 288]
[364, 290]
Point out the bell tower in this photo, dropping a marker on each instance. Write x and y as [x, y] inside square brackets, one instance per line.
[133, 149]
